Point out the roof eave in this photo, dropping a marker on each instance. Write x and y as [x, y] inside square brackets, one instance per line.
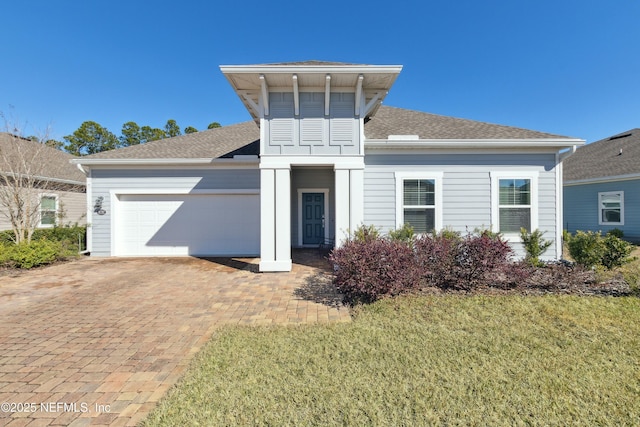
[167, 161]
[626, 177]
[310, 69]
[409, 144]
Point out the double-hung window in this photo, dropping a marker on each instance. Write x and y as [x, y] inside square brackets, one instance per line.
[514, 202]
[419, 200]
[611, 208]
[48, 210]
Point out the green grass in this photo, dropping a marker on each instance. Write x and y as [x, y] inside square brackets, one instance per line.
[440, 360]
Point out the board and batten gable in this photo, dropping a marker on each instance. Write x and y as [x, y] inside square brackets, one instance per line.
[466, 188]
[312, 131]
[108, 183]
[582, 211]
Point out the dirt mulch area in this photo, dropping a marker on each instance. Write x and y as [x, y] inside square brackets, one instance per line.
[554, 279]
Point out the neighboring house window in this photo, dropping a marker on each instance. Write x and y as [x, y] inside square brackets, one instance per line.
[48, 210]
[514, 202]
[419, 200]
[611, 208]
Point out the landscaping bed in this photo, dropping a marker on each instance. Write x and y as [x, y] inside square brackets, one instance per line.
[370, 266]
[47, 246]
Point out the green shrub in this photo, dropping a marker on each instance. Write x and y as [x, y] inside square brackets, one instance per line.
[586, 248]
[486, 232]
[447, 234]
[591, 249]
[5, 252]
[73, 236]
[6, 237]
[35, 254]
[616, 232]
[403, 234]
[366, 233]
[566, 236]
[534, 245]
[617, 252]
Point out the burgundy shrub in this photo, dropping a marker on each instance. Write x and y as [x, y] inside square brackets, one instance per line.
[435, 258]
[479, 255]
[367, 271]
[462, 262]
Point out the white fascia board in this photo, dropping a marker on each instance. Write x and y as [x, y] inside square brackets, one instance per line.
[166, 162]
[410, 144]
[628, 177]
[333, 69]
[338, 162]
[185, 191]
[46, 178]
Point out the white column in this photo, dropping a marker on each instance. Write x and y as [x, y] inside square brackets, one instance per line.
[267, 219]
[283, 220]
[357, 198]
[342, 205]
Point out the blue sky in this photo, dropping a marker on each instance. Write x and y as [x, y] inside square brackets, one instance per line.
[570, 67]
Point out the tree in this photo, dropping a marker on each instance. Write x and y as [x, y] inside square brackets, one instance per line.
[147, 134]
[190, 129]
[54, 143]
[171, 129]
[28, 169]
[130, 134]
[90, 138]
[214, 125]
[58, 145]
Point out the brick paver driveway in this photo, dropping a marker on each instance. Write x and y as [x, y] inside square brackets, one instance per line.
[99, 341]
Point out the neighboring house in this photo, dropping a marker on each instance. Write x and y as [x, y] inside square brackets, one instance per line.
[58, 187]
[320, 157]
[602, 186]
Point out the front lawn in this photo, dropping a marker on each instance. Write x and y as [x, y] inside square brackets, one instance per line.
[427, 360]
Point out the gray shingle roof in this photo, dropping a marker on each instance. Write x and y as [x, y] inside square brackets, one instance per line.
[50, 163]
[243, 138]
[399, 121]
[602, 158]
[223, 142]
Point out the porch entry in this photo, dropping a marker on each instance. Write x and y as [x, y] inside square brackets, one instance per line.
[313, 218]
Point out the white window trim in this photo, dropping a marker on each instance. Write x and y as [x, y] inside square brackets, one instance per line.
[54, 196]
[495, 200]
[437, 177]
[606, 193]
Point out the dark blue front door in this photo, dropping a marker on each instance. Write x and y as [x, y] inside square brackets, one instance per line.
[312, 218]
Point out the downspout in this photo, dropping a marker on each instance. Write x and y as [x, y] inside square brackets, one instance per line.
[89, 212]
[565, 154]
[560, 198]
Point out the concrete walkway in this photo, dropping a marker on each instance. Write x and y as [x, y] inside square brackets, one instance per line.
[100, 341]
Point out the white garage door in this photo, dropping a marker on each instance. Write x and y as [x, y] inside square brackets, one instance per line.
[174, 225]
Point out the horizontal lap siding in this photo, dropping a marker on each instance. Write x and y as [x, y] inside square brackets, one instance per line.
[72, 203]
[466, 188]
[581, 207]
[103, 181]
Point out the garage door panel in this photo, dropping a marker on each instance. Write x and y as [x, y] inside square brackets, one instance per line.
[201, 225]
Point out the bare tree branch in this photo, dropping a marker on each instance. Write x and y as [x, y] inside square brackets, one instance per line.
[29, 170]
